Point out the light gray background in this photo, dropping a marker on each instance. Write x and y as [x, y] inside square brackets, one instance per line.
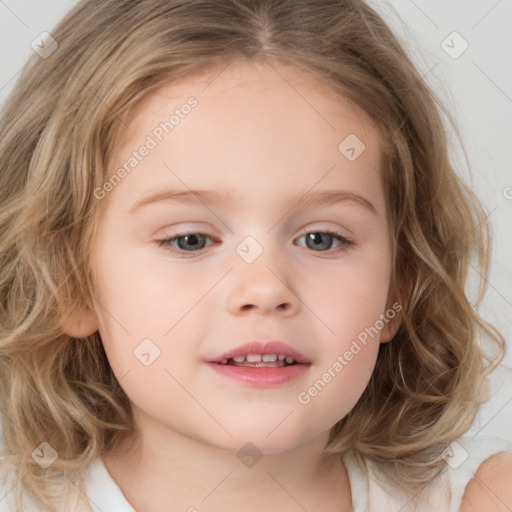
[476, 86]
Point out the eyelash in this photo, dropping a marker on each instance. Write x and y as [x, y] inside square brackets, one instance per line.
[346, 243]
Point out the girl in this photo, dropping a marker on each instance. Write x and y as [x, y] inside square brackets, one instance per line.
[317, 350]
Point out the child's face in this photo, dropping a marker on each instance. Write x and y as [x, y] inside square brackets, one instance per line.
[268, 142]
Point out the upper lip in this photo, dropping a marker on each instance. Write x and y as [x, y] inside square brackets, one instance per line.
[258, 347]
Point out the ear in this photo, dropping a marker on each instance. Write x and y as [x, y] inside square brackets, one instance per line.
[392, 320]
[80, 323]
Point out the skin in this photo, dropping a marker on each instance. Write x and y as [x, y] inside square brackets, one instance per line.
[272, 140]
[490, 489]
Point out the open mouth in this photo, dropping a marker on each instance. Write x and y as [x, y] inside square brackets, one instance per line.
[266, 370]
[260, 361]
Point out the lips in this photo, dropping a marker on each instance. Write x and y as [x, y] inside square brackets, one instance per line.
[279, 348]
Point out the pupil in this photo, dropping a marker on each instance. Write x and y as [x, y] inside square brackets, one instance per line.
[317, 240]
[184, 241]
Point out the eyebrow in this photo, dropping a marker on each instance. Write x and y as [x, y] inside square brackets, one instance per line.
[325, 198]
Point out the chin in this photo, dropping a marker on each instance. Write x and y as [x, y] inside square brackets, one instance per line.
[262, 442]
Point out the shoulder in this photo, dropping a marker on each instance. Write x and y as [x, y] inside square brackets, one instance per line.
[491, 488]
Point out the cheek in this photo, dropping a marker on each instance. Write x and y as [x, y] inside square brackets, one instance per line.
[350, 296]
[337, 390]
[145, 311]
[350, 305]
[137, 297]
[337, 383]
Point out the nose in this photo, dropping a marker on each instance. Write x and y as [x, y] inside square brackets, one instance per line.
[263, 287]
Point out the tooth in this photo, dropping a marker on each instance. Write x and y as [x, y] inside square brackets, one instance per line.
[269, 358]
[223, 361]
[253, 358]
[281, 357]
[290, 360]
[239, 359]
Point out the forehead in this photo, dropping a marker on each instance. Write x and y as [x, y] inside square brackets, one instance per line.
[264, 82]
[283, 87]
[254, 122]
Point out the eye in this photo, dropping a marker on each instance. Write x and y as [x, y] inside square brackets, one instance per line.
[193, 242]
[185, 241]
[324, 239]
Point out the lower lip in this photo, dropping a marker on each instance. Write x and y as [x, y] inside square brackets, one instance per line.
[264, 377]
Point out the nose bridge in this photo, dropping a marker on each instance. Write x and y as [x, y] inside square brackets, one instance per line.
[261, 277]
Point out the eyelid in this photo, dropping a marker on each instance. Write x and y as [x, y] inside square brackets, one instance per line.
[316, 229]
[344, 241]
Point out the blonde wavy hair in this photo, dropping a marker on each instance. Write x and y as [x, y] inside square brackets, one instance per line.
[57, 133]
